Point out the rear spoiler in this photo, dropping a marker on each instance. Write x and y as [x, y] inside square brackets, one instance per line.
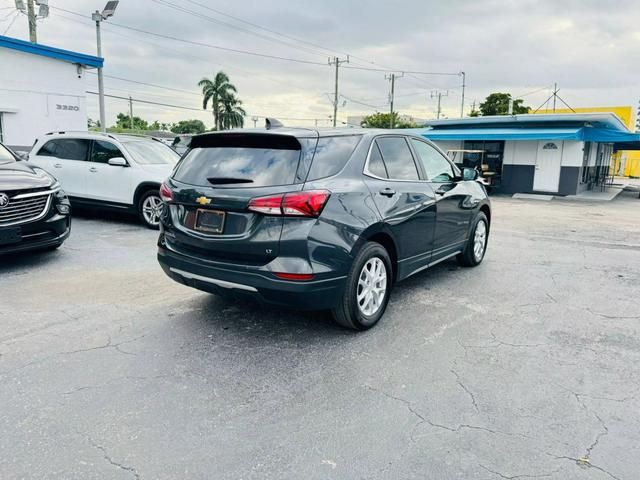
[245, 140]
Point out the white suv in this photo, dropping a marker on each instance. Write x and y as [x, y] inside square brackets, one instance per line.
[122, 172]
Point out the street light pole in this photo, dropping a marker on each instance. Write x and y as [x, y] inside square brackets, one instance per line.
[97, 16]
[464, 84]
[109, 10]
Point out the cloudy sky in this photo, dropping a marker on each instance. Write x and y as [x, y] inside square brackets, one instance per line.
[589, 47]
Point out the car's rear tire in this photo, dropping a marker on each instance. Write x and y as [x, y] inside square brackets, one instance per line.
[367, 289]
[150, 208]
[476, 247]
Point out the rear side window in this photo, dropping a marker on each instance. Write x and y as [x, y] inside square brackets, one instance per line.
[331, 155]
[66, 148]
[397, 158]
[376, 164]
[247, 167]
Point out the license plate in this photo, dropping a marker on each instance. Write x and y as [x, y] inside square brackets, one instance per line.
[210, 221]
[10, 235]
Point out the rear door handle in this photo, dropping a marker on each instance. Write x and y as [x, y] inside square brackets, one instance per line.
[57, 165]
[387, 192]
[93, 169]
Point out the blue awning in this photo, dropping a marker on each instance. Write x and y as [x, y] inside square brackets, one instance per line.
[51, 52]
[621, 140]
[574, 133]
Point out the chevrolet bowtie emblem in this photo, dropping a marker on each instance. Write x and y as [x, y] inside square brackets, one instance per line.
[203, 200]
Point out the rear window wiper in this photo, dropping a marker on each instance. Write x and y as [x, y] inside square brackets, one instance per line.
[223, 180]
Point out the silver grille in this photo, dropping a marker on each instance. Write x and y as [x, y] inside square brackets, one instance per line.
[25, 208]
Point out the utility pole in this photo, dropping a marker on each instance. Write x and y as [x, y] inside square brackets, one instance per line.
[464, 84]
[555, 95]
[255, 121]
[130, 112]
[31, 13]
[337, 62]
[98, 17]
[392, 79]
[439, 95]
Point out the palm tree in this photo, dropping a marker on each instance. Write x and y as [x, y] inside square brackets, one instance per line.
[216, 91]
[232, 114]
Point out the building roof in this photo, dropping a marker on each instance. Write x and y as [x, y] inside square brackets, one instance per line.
[51, 52]
[602, 120]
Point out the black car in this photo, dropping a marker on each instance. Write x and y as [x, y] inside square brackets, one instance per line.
[34, 211]
[318, 219]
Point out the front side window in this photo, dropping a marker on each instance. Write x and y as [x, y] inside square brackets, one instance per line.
[66, 149]
[103, 151]
[397, 158]
[437, 168]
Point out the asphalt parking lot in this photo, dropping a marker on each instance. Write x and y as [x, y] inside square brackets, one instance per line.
[527, 366]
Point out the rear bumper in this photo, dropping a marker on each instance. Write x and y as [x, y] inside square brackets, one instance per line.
[226, 280]
[39, 235]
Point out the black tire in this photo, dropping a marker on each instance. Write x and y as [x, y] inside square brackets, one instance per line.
[146, 219]
[468, 257]
[347, 313]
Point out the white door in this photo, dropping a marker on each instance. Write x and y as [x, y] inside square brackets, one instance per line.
[65, 159]
[108, 183]
[548, 160]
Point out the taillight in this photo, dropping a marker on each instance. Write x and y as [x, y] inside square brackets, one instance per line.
[296, 204]
[166, 193]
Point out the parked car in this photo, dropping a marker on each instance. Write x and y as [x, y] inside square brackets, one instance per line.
[318, 220]
[34, 211]
[118, 172]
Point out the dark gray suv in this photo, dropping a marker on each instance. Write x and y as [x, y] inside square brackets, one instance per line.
[317, 219]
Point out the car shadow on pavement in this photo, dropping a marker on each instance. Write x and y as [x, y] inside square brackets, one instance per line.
[107, 216]
[22, 263]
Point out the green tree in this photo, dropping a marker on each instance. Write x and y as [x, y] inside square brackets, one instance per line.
[124, 121]
[188, 126]
[232, 114]
[498, 104]
[220, 92]
[383, 120]
[91, 123]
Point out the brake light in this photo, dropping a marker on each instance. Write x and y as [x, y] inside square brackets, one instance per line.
[166, 193]
[296, 204]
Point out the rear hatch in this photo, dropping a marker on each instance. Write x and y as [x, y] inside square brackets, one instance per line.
[216, 180]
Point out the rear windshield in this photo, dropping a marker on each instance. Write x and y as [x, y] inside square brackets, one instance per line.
[240, 166]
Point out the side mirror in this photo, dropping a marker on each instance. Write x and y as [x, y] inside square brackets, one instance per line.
[118, 162]
[469, 174]
[22, 156]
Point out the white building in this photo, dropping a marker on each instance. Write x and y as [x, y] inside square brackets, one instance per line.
[42, 89]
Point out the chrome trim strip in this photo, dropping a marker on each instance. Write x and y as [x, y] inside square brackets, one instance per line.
[35, 194]
[215, 281]
[45, 210]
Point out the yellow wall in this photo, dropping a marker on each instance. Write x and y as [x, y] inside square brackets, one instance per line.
[630, 158]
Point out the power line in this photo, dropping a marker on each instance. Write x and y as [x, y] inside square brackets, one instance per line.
[155, 85]
[255, 54]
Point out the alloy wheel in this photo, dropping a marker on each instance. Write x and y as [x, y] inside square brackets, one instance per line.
[479, 240]
[151, 210]
[372, 286]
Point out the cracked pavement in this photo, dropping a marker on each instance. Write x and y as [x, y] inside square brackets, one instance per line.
[525, 367]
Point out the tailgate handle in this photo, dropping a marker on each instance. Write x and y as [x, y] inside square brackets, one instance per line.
[387, 192]
[93, 169]
[57, 165]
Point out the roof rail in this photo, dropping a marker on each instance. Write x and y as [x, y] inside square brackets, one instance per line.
[62, 132]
